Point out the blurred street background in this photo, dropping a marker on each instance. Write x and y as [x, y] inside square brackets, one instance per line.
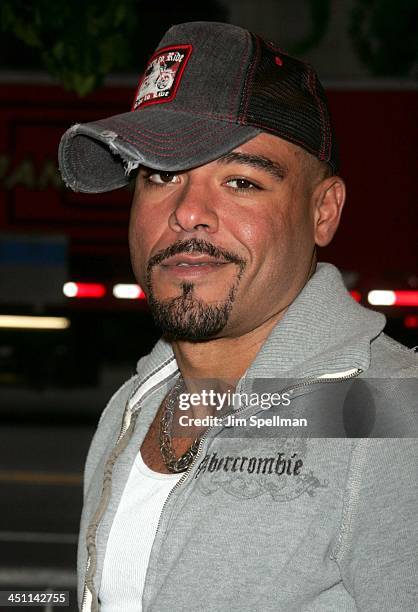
[73, 322]
[44, 439]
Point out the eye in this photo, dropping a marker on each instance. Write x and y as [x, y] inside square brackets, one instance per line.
[241, 184]
[161, 178]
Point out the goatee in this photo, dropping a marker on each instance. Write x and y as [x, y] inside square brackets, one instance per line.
[186, 316]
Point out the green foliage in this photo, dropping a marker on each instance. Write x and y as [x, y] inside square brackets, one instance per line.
[79, 41]
[384, 33]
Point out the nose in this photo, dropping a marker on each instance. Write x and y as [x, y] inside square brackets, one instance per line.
[193, 210]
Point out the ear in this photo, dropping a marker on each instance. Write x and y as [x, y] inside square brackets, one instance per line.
[329, 198]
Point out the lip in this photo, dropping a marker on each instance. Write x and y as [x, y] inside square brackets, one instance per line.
[184, 259]
[192, 266]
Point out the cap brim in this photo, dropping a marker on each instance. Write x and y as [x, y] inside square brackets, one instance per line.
[98, 156]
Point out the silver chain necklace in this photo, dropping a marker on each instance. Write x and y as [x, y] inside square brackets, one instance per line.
[184, 461]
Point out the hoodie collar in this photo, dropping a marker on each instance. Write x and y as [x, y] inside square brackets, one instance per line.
[324, 331]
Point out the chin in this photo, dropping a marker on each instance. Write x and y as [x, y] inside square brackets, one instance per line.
[189, 317]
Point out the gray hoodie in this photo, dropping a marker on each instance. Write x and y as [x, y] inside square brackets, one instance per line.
[322, 518]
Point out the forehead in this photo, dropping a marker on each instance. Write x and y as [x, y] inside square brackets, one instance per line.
[282, 158]
[274, 148]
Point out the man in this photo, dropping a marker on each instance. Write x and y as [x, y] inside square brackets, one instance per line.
[198, 494]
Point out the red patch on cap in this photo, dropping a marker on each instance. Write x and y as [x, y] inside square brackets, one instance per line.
[278, 60]
[162, 76]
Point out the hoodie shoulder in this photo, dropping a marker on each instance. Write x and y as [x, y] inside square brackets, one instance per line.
[391, 358]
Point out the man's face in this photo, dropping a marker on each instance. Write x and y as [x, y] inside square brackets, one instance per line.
[222, 248]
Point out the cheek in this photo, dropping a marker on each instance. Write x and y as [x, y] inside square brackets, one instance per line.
[265, 238]
[140, 240]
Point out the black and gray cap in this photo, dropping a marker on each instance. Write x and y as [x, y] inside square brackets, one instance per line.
[208, 88]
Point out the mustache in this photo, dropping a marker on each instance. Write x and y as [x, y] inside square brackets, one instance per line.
[195, 245]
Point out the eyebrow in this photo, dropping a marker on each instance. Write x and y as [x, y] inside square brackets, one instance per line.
[277, 171]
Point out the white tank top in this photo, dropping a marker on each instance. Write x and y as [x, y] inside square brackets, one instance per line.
[131, 538]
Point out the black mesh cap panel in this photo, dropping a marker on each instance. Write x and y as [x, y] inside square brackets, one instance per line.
[283, 96]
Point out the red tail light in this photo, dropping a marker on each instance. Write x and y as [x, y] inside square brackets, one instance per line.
[84, 290]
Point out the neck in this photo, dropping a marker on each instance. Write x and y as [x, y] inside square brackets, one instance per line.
[215, 366]
[225, 359]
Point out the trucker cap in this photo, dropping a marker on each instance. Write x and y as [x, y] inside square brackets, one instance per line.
[208, 88]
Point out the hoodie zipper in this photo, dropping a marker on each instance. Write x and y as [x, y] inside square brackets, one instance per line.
[87, 595]
[326, 378]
